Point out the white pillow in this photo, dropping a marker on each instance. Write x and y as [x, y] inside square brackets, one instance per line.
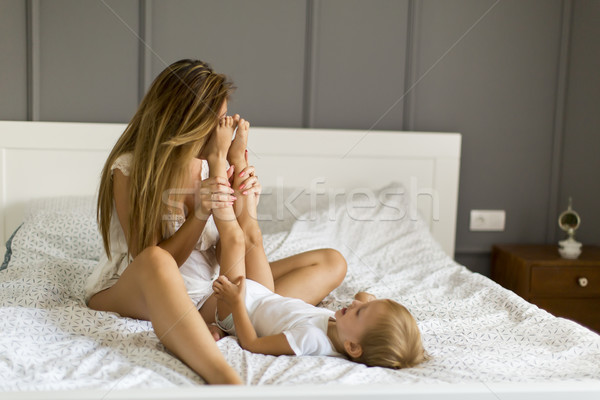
[65, 227]
[60, 227]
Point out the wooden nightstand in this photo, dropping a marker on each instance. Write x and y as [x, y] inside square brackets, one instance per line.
[566, 288]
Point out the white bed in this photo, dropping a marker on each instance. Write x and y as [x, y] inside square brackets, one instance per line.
[349, 190]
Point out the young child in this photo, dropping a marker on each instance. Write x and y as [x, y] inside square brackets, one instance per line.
[373, 332]
[370, 331]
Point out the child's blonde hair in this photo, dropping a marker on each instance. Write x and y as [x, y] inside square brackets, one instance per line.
[394, 341]
[170, 127]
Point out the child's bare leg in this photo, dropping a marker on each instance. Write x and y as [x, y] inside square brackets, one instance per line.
[309, 276]
[231, 235]
[257, 265]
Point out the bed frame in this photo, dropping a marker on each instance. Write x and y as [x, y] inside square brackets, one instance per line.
[46, 159]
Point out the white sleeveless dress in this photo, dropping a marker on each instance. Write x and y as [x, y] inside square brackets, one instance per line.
[199, 270]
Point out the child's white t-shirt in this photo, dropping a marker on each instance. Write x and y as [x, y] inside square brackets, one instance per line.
[304, 325]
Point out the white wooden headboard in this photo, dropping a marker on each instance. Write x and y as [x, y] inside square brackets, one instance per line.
[46, 159]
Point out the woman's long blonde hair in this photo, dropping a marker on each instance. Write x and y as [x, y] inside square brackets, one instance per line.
[170, 127]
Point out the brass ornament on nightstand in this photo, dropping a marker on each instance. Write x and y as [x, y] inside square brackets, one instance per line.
[569, 221]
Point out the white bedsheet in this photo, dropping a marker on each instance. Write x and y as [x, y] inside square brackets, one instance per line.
[474, 330]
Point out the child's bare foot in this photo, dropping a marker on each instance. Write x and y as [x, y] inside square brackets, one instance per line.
[216, 332]
[237, 150]
[220, 140]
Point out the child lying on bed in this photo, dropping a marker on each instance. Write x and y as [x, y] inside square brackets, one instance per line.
[373, 332]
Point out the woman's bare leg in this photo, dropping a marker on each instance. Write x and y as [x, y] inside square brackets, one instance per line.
[152, 288]
[309, 276]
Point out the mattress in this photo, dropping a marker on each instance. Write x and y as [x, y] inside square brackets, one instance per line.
[473, 329]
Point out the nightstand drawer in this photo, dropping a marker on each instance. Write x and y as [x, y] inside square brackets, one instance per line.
[565, 281]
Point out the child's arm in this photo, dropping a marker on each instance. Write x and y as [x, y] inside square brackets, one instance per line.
[233, 294]
[364, 297]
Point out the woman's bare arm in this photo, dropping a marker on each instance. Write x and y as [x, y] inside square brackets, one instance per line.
[180, 245]
[183, 241]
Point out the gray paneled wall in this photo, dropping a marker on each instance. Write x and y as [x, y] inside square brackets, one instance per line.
[517, 78]
[359, 56]
[88, 60]
[260, 44]
[580, 174]
[13, 60]
[497, 87]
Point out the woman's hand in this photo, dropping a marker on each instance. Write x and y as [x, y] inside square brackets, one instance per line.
[230, 292]
[213, 193]
[250, 184]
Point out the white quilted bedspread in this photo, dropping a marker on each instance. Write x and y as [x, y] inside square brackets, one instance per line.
[474, 330]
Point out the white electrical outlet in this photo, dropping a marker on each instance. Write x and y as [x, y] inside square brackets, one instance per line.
[487, 220]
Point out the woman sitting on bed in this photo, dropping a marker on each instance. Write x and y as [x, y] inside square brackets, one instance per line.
[157, 195]
[374, 332]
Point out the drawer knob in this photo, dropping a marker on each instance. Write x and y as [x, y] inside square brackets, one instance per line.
[583, 282]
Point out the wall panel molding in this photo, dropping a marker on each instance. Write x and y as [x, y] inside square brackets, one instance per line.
[13, 60]
[308, 112]
[410, 76]
[559, 122]
[581, 134]
[33, 60]
[145, 46]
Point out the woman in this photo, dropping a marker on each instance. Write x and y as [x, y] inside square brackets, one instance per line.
[154, 207]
